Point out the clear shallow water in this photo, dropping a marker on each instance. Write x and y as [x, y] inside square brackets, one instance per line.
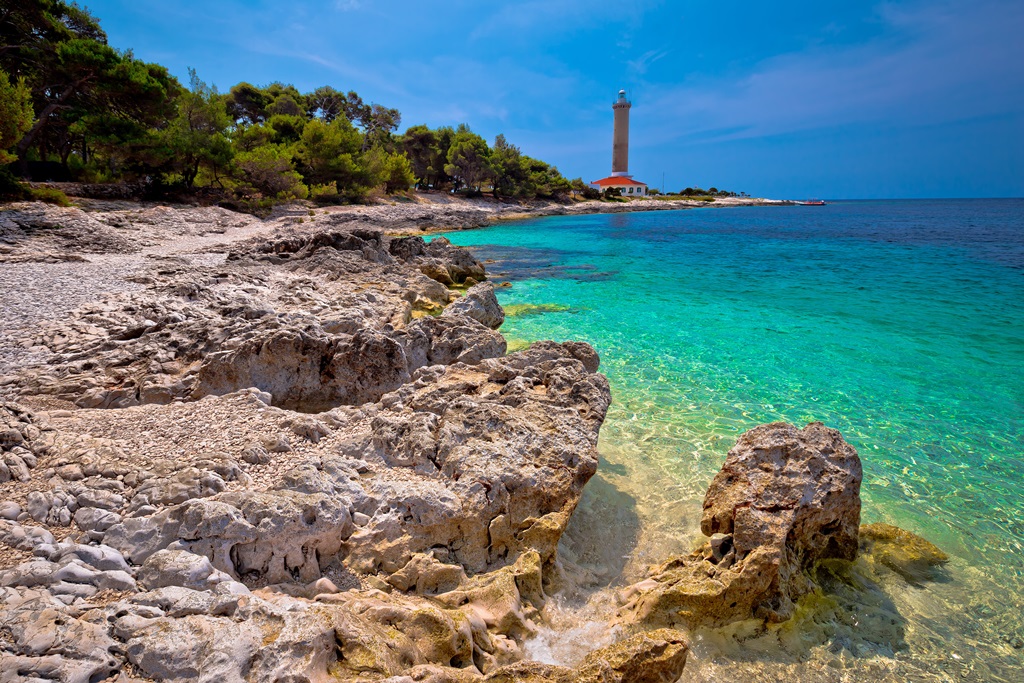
[901, 323]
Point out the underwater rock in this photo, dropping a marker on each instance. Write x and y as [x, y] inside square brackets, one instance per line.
[907, 554]
[784, 499]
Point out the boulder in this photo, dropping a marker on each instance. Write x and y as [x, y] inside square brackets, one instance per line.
[480, 304]
[180, 568]
[654, 657]
[785, 499]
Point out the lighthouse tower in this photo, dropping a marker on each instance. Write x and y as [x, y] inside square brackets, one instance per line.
[620, 178]
[620, 136]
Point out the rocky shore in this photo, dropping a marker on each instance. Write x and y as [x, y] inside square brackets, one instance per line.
[295, 449]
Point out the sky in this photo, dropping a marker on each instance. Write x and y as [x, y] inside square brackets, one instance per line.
[787, 99]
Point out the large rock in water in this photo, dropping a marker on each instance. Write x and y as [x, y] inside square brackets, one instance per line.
[785, 499]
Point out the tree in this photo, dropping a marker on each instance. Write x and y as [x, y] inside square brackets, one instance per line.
[379, 123]
[77, 81]
[277, 89]
[30, 28]
[390, 169]
[327, 153]
[117, 119]
[285, 105]
[15, 114]
[268, 170]
[511, 177]
[325, 103]
[197, 136]
[444, 136]
[468, 159]
[287, 128]
[544, 179]
[420, 145]
[247, 104]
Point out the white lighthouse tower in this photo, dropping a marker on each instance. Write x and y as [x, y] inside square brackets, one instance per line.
[620, 178]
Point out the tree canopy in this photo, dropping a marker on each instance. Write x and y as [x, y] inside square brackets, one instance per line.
[73, 105]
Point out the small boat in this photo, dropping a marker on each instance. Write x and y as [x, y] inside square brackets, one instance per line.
[812, 202]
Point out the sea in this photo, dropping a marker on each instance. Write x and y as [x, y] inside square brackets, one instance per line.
[899, 323]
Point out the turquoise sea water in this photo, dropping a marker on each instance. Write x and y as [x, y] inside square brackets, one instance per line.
[900, 323]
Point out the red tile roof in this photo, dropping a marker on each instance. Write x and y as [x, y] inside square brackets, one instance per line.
[616, 181]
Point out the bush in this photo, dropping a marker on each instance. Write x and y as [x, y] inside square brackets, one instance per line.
[268, 170]
[325, 194]
[49, 195]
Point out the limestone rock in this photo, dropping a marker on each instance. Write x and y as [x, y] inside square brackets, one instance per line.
[654, 657]
[300, 369]
[180, 568]
[784, 499]
[480, 304]
[450, 339]
[438, 259]
[407, 529]
[267, 536]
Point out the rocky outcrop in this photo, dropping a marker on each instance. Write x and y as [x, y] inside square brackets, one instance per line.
[23, 439]
[480, 304]
[315, 320]
[322, 465]
[652, 657]
[33, 231]
[475, 464]
[785, 499]
[438, 259]
[321, 461]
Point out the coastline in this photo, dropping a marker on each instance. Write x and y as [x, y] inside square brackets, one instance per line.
[430, 213]
[265, 422]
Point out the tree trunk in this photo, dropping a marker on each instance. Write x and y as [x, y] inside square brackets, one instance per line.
[44, 116]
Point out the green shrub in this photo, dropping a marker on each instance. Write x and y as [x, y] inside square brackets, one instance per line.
[325, 194]
[49, 195]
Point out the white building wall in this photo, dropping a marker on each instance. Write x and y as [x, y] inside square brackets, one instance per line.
[638, 190]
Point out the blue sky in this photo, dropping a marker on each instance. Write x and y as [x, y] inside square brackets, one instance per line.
[784, 99]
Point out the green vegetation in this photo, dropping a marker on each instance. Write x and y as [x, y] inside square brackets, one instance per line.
[688, 197]
[74, 108]
[696, 194]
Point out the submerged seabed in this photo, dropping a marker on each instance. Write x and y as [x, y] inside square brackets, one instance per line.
[901, 323]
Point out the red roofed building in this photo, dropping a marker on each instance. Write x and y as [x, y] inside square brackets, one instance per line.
[627, 185]
[620, 177]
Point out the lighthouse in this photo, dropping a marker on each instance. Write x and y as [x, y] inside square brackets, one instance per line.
[620, 136]
[620, 178]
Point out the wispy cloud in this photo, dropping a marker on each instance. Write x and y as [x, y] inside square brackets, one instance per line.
[640, 65]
